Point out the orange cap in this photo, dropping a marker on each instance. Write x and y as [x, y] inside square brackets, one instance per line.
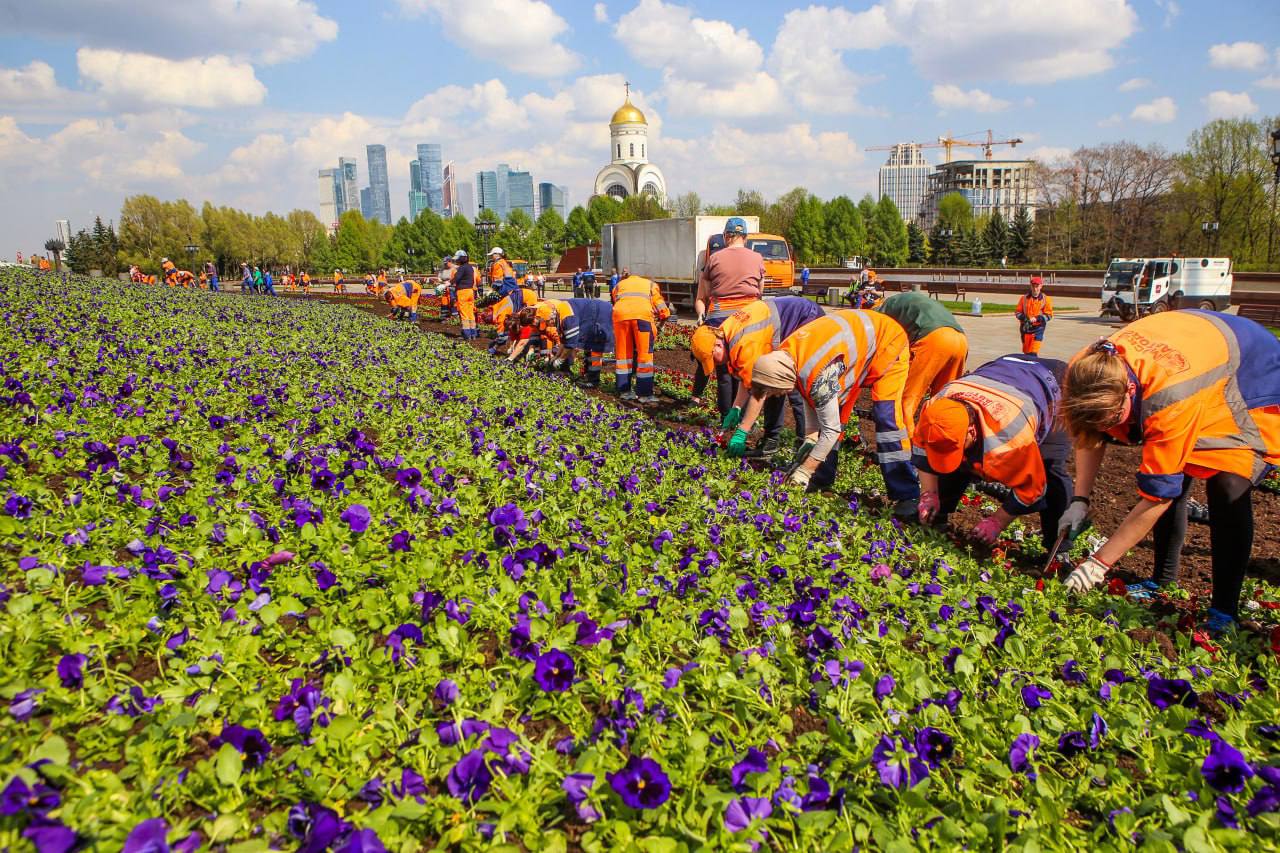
[702, 345]
[941, 431]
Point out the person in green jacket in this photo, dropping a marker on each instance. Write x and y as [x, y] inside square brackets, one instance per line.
[938, 348]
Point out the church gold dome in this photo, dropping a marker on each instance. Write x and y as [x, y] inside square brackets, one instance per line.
[628, 114]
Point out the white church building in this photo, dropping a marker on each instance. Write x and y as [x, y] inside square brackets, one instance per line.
[630, 172]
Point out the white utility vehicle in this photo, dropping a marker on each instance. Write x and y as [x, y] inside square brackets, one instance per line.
[1135, 287]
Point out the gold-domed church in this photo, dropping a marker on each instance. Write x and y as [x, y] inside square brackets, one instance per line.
[630, 171]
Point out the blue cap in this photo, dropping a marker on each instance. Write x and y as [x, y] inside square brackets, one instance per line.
[736, 225]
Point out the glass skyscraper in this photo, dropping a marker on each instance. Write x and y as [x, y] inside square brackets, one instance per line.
[350, 197]
[520, 192]
[905, 179]
[552, 197]
[432, 169]
[379, 207]
[487, 192]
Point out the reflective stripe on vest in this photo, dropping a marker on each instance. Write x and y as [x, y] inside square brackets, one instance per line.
[772, 320]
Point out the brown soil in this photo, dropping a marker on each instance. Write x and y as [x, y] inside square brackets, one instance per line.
[1114, 492]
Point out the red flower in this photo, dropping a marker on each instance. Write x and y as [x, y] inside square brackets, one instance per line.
[1115, 586]
[1039, 584]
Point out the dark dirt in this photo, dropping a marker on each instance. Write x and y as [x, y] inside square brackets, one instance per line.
[1115, 491]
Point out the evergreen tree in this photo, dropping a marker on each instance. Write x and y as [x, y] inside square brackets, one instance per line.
[995, 239]
[918, 250]
[578, 230]
[1021, 232]
[846, 232]
[79, 254]
[807, 232]
[968, 248]
[887, 234]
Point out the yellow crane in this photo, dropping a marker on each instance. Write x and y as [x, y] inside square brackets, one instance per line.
[948, 142]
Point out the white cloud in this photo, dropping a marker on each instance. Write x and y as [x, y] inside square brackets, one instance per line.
[950, 97]
[1133, 84]
[1223, 104]
[1160, 111]
[1271, 81]
[1171, 11]
[1112, 120]
[664, 35]
[216, 81]
[518, 34]
[1049, 154]
[1238, 56]
[1008, 40]
[601, 12]
[25, 85]
[753, 96]
[268, 30]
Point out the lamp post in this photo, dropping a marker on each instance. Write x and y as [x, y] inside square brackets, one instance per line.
[487, 228]
[1275, 190]
[408, 264]
[192, 248]
[1208, 228]
[946, 234]
[546, 248]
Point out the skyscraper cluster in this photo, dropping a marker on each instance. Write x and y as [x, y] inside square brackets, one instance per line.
[434, 186]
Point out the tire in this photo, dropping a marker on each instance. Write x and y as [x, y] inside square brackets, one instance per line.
[1207, 305]
[1126, 313]
[1159, 307]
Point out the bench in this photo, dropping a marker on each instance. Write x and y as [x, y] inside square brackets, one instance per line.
[947, 288]
[1267, 315]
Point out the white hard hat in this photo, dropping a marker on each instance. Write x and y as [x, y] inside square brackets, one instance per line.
[460, 254]
[496, 250]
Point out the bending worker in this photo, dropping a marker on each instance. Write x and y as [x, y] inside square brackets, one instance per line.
[829, 361]
[464, 291]
[752, 331]
[1034, 312]
[938, 347]
[568, 325]
[638, 309]
[732, 277]
[506, 308]
[1200, 392]
[996, 424]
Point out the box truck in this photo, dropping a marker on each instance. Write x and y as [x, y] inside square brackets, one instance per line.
[673, 252]
[1135, 287]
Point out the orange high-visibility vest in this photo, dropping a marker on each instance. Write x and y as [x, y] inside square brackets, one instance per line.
[549, 317]
[506, 307]
[1031, 307]
[1208, 397]
[752, 331]
[1010, 422]
[866, 342]
[636, 298]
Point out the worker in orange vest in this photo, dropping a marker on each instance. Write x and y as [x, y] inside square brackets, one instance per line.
[304, 279]
[339, 286]
[464, 288]
[998, 424]
[507, 307]
[938, 347]
[502, 276]
[638, 312]
[1034, 312]
[829, 361]
[168, 270]
[1199, 391]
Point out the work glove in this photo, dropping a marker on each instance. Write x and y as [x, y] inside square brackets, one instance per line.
[930, 503]
[1087, 575]
[988, 530]
[1075, 520]
[802, 453]
[732, 418]
[558, 364]
[800, 477]
[907, 509]
[738, 444]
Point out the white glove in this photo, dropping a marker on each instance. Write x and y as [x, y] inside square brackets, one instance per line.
[558, 364]
[1087, 575]
[801, 478]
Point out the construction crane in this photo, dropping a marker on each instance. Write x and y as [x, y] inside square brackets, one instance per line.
[948, 142]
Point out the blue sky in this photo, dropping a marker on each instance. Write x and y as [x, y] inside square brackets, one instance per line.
[241, 102]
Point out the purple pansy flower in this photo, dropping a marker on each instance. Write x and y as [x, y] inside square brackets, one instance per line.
[641, 783]
[357, 517]
[1166, 692]
[743, 811]
[553, 671]
[896, 761]
[934, 746]
[1033, 695]
[1225, 768]
[252, 744]
[71, 671]
[149, 836]
[24, 704]
[1021, 752]
[754, 761]
[470, 778]
[576, 787]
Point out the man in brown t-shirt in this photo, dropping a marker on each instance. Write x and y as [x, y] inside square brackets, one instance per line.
[731, 278]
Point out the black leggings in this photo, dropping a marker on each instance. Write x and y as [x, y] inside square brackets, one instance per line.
[1230, 537]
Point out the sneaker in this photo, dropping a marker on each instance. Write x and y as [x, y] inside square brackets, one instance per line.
[629, 395]
[770, 447]
[583, 382]
[1218, 623]
[648, 401]
[1142, 590]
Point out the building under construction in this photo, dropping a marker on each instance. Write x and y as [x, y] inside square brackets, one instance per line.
[989, 185]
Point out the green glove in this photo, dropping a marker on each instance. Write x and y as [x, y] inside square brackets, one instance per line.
[738, 444]
[732, 418]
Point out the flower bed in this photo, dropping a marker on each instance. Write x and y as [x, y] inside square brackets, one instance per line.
[281, 573]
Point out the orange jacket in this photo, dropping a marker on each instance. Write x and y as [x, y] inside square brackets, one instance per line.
[636, 298]
[1207, 399]
[866, 342]
[499, 270]
[549, 316]
[752, 331]
[1030, 308]
[506, 306]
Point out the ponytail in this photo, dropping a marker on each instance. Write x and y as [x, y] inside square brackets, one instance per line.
[1093, 393]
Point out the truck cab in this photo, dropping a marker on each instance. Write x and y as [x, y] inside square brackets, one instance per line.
[522, 270]
[779, 265]
[1135, 287]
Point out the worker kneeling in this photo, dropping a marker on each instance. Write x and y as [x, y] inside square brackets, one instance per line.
[638, 310]
[829, 361]
[1200, 392]
[752, 331]
[997, 424]
[938, 347]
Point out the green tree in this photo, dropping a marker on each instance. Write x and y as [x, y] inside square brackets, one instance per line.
[601, 210]
[308, 235]
[151, 229]
[104, 247]
[639, 207]
[778, 217]
[551, 228]
[887, 234]
[917, 245]
[968, 248]
[942, 246]
[750, 203]
[955, 212]
[79, 254]
[579, 230]
[808, 231]
[687, 204]
[846, 233]
[55, 247]
[867, 207]
[457, 232]
[359, 243]
[1020, 236]
[995, 239]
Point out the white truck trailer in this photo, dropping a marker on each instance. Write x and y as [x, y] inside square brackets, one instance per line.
[668, 251]
[1135, 287]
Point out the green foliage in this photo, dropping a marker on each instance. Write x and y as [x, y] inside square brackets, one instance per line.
[846, 231]
[750, 203]
[1020, 237]
[687, 204]
[359, 243]
[640, 207]
[887, 241]
[807, 233]
[955, 212]
[780, 214]
[995, 239]
[918, 249]
[578, 229]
